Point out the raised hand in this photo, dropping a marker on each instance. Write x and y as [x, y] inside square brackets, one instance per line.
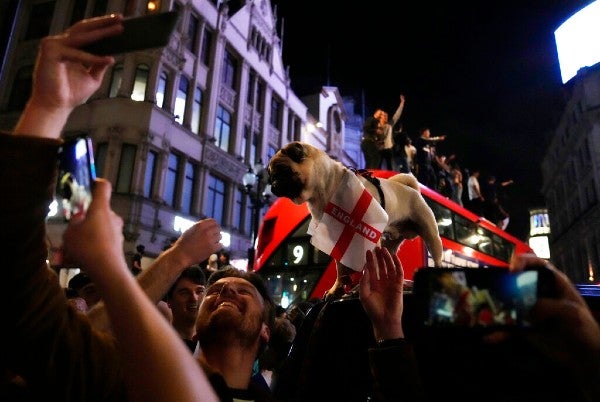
[66, 76]
[381, 293]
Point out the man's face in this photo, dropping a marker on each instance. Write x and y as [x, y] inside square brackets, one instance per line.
[232, 310]
[185, 301]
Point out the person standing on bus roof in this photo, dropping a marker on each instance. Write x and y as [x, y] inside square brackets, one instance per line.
[386, 152]
[475, 197]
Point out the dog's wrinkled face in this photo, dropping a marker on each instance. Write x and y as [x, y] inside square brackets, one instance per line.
[285, 174]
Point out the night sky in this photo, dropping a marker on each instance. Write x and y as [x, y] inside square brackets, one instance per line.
[485, 74]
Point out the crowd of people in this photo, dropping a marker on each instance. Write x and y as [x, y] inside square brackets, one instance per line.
[386, 145]
[123, 349]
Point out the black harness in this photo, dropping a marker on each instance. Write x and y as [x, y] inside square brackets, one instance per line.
[373, 180]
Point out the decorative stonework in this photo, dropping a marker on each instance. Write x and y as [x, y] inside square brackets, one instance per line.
[227, 96]
[274, 135]
[173, 57]
[247, 114]
[257, 121]
[223, 163]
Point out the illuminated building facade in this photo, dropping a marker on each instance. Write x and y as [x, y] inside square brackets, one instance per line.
[175, 128]
[571, 166]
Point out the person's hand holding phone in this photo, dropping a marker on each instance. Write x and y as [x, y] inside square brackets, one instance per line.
[566, 329]
[96, 239]
[66, 76]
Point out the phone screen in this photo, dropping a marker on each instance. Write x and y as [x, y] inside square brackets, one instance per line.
[484, 298]
[76, 175]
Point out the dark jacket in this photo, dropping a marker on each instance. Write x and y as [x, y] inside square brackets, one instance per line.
[53, 347]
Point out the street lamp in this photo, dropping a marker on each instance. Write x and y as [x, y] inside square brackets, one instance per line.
[260, 193]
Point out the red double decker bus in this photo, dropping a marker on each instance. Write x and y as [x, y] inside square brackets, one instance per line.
[295, 270]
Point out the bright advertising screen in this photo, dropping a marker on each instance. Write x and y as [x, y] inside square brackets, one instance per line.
[577, 42]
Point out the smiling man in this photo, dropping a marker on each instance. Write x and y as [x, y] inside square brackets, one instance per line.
[233, 328]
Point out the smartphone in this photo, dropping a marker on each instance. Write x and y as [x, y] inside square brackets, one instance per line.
[76, 175]
[139, 33]
[486, 299]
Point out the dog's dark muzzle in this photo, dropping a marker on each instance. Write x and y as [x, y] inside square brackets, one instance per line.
[285, 182]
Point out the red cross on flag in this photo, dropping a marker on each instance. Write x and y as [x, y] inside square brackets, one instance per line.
[352, 223]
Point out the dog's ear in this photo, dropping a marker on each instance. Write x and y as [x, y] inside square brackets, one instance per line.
[296, 151]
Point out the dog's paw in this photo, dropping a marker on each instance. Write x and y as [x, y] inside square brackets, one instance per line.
[340, 287]
[334, 293]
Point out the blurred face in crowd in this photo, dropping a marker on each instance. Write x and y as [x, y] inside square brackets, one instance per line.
[381, 116]
[233, 311]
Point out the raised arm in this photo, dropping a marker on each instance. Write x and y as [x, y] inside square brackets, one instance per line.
[392, 361]
[196, 244]
[398, 112]
[46, 332]
[170, 371]
[66, 76]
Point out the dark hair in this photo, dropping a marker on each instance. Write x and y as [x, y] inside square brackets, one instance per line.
[223, 253]
[279, 310]
[71, 293]
[257, 281]
[140, 248]
[79, 281]
[283, 334]
[193, 273]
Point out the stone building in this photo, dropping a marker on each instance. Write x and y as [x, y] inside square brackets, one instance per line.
[175, 129]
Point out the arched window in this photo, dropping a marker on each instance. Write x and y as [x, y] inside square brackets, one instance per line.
[150, 173]
[182, 93]
[189, 186]
[116, 79]
[222, 128]
[196, 111]
[215, 199]
[161, 88]
[140, 83]
[170, 192]
[126, 165]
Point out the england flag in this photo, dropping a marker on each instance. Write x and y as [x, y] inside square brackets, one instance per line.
[352, 223]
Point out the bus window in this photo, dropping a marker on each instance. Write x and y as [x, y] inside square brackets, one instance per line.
[465, 231]
[443, 217]
[293, 270]
[502, 248]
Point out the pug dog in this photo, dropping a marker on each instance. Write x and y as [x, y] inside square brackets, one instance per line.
[304, 173]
